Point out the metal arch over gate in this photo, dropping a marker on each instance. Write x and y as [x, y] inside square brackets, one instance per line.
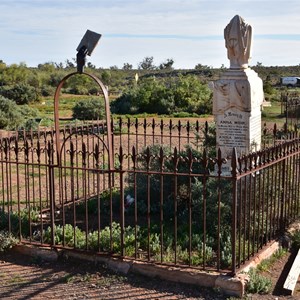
[107, 114]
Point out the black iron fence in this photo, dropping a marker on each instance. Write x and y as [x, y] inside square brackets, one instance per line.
[166, 199]
[290, 107]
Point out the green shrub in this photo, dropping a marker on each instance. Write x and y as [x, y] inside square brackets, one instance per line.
[115, 234]
[226, 252]
[10, 116]
[79, 84]
[104, 202]
[183, 114]
[258, 284]
[47, 91]
[21, 93]
[15, 219]
[7, 241]
[46, 122]
[92, 109]
[184, 190]
[296, 239]
[185, 94]
[268, 88]
[65, 234]
[13, 116]
[106, 238]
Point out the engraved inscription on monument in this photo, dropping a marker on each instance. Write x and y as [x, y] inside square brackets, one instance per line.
[233, 128]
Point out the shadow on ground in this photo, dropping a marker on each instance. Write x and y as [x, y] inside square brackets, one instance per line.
[23, 277]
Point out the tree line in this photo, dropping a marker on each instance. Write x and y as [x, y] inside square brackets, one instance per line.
[147, 89]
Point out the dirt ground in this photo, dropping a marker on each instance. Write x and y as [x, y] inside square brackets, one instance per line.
[23, 277]
[27, 278]
[278, 273]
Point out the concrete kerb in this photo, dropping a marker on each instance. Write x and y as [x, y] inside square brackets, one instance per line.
[45, 253]
[232, 286]
[265, 254]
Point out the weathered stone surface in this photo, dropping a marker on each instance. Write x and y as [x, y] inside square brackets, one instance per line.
[238, 38]
[189, 276]
[266, 253]
[119, 266]
[78, 255]
[238, 129]
[233, 286]
[241, 89]
[43, 253]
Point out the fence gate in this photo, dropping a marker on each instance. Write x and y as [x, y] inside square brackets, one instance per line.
[81, 167]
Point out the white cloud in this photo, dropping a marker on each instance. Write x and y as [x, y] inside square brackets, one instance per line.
[187, 54]
[276, 52]
[36, 31]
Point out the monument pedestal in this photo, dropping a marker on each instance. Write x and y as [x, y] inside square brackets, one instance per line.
[237, 100]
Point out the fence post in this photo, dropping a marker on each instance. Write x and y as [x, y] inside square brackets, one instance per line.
[51, 190]
[122, 208]
[234, 165]
[283, 192]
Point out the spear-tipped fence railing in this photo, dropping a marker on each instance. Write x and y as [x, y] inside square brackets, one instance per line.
[167, 200]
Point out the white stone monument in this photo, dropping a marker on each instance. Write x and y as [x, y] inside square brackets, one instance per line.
[238, 95]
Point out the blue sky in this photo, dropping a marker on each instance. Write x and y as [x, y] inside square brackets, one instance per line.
[188, 31]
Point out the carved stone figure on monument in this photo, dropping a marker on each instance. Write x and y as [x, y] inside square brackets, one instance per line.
[228, 93]
[238, 36]
[242, 91]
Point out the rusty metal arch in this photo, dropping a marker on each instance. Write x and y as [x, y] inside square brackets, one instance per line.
[107, 114]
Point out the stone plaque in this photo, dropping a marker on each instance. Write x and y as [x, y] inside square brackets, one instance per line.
[238, 129]
[232, 131]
